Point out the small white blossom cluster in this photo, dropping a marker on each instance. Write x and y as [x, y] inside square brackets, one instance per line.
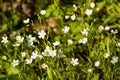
[19, 39]
[60, 53]
[67, 17]
[114, 31]
[41, 34]
[56, 43]
[72, 17]
[89, 12]
[43, 12]
[90, 70]
[85, 31]
[23, 54]
[106, 55]
[70, 41]
[75, 7]
[44, 66]
[49, 52]
[15, 63]
[4, 57]
[114, 60]
[26, 21]
[30, 39]
[83, 40]
[118, 44]
[92, 4]
[106, 28]
[34, 55]
[4, 39]
[97, 63]
[66, 29]
[74, 62]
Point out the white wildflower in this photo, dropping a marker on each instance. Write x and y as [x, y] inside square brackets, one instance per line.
[23, 54]
[88, 12]
[45, 53]
[41, 34]
[30, 39]
[42, 12]
[34, 55]
[16, 44]
[28, 61]
[114, 60]
[114, 31]
[67, 17]
[47, 49]
[40, 57]
[15, 63]
[97, 9]
[4, 57]
[60, 53]
[56, 43]
[101, 27]
[19, 39]
[83, 41]
[90, 70]
[70, 41]
[118, 44]
[97, 64]
[44, 66]
[26, 21]
[106, 55]
[73, 17]
[52, 53]
[85, 31]
[107, 28]
[75, 7]
[74, 62]
[66, 29]
[92, 5]
[4, 39]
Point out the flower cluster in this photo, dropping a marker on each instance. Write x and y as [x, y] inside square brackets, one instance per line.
[4, 39]
[66, 29]
[74, 62]
[83, 41]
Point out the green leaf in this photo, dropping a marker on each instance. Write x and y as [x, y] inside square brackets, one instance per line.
[96, 77]
[2, 76]
[117, 8]
[109, 18]
[3, 27]
[73, 25]
[77, 37]
[11, 70]
[57, 38]
[49, 10]
[77, 30]
[49, 73]
[101, 4]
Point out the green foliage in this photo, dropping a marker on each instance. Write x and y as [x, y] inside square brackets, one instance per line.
[60, 40]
